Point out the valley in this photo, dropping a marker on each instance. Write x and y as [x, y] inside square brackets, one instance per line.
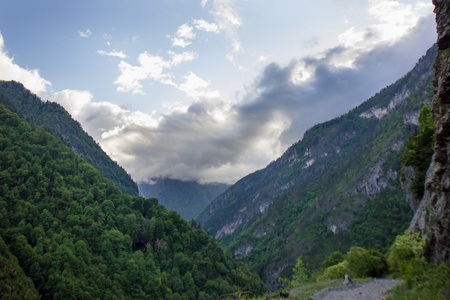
[356, 208]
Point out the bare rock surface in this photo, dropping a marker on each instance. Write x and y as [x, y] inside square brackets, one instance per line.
[372, 290]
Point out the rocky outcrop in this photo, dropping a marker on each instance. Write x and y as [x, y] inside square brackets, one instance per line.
[432, 217]
[408, 174]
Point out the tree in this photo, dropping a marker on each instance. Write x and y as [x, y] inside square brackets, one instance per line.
[299, 271]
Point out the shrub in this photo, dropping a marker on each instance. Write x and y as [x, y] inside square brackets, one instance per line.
[333, 259]
[366, 262]
[337, 271]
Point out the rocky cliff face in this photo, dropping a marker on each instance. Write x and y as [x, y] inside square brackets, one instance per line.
[432, 217]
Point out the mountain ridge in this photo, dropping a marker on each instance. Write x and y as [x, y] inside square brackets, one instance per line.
[60, 123]
[320, 190]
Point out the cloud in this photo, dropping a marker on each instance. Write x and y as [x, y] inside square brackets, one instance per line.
[85, 34]
[228, 21]
[392, 21]
[180, 42]
[151, 67]
[184, 34]
[205, 26]
[212, 140]
[196, 87]
[113, 53]
[9, 70]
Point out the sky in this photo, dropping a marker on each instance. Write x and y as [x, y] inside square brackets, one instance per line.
[208, 90]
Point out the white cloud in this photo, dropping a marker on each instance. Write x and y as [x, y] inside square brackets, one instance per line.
[262, 58]
[205, 26]
[9, 70]
[228, 21]
[130, 77]
[392, 21]
[178, 58]
[186, 32]
[196, 87]
[74, 101]
[180, 42]
[85, 34]
[151, 67]
[113, 53]
[204, 2]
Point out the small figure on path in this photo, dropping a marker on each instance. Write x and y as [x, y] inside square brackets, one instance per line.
[348, 280]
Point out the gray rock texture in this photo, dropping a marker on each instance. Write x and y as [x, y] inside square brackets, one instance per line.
[432, 219]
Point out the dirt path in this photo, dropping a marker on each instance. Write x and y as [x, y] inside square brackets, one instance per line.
[372, 290]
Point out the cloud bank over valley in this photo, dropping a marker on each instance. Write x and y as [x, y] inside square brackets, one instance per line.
[204, 135]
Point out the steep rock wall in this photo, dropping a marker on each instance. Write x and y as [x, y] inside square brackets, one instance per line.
[432, 219]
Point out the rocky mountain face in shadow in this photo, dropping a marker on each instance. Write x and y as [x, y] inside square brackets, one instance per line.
[432, 216]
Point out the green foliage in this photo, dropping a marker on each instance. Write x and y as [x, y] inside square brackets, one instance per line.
[336, 271]
[423, 280]
[333, 259]
[366, 262]
[419, 151]
[14, 284]
[54, 118]
[299, 273]
[406, 256]
[359, 263]
[76, 236]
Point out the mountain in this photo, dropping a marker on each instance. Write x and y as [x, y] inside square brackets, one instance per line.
[337, 187]
[66, 232]
[59, 122]
[432, 214]
[186, 198]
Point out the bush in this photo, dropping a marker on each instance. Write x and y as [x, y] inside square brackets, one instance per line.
[366, 262]
[405, 257]
[333, 259]
[337, 271]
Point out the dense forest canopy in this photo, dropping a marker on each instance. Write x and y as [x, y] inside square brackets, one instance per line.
[59, 122]
[72, 234]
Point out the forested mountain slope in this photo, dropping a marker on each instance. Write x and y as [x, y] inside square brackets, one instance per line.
[186, 198]
[337, 187]
[58, 121]
[66, 232]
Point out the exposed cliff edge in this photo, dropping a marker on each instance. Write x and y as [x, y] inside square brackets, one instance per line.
[432, 217]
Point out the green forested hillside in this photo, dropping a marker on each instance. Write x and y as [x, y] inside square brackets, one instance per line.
[58, 121]
[76, 236]
[338, 187]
